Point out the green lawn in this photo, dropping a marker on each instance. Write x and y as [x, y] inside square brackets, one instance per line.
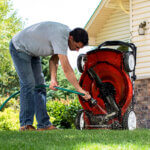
[72, 139]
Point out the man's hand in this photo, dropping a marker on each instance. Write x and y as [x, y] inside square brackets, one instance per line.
[53, 84]
[87, 96]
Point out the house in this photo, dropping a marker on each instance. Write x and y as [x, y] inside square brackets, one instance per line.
[129, 21]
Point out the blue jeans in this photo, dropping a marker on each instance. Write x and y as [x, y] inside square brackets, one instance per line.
[32, 100]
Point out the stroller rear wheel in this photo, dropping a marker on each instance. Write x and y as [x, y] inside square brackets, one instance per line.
[129, 120]
[129, 62]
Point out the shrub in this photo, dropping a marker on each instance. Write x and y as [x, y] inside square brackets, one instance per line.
[9, 115]
[64, 112]
[9, 119]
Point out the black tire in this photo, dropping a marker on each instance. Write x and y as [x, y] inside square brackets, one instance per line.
[80, 61]
[129, 120]
[126, 62]
[80, 122]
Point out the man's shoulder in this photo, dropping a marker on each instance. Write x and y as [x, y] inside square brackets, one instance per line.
[55, 24]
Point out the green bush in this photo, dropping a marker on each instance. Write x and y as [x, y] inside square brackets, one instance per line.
[63, 112]
[9, 119]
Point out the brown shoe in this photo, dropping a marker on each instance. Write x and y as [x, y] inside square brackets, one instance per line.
[48, 128]
[27, 128]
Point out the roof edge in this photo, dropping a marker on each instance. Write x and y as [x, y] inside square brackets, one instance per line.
[92, 14]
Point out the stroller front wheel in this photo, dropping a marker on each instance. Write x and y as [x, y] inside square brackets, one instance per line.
[82, 120]
[80, 62]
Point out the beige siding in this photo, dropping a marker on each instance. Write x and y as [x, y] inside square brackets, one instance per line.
[117, 27]
[92, 41]
[97, 21]
[140, 11]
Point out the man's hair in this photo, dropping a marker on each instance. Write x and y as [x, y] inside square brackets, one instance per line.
[80, 35]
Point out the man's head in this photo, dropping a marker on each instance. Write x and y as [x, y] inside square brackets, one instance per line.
[78, 38]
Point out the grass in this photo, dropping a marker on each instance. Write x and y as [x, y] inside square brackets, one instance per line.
[72, 139]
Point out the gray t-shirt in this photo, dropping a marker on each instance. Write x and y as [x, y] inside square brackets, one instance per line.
[43, 39]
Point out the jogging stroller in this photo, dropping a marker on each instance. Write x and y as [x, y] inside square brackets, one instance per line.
[108, 75]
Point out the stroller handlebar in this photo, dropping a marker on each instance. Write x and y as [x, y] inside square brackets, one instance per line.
[114, 43]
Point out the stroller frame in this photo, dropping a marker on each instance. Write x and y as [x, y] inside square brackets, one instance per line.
[108, 75]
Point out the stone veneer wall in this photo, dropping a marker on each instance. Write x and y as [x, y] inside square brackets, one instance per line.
[142, 106]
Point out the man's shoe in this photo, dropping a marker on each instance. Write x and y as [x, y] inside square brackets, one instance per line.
[48, 128]
[27, 128]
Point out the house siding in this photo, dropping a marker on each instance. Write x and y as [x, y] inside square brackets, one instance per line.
[140, 11]
[116, 27]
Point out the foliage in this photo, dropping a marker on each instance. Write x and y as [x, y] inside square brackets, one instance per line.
[64, 112]
[62, 81]
[9, 119]
[45, 67]
[10, 24]
[122, 48]
[9, 116]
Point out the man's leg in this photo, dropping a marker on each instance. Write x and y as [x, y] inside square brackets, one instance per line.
[40, 95]
[22, 63]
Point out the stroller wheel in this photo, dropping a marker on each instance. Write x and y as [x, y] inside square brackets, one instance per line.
[129, 62]
[82, 120]
[129, 120]
[80, 62]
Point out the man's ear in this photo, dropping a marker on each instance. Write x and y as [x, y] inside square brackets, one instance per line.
[70, 37]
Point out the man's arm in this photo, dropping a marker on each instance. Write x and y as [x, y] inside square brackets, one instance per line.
[70, 75]
[53, 66]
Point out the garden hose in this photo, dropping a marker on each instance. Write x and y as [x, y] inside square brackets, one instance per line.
[62, 89]
[70, 91]
[59, 88]
[14, 94]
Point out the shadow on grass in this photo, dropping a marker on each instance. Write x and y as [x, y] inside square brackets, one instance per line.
[75, 139]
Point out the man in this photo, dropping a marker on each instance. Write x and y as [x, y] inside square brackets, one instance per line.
[26, 47]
